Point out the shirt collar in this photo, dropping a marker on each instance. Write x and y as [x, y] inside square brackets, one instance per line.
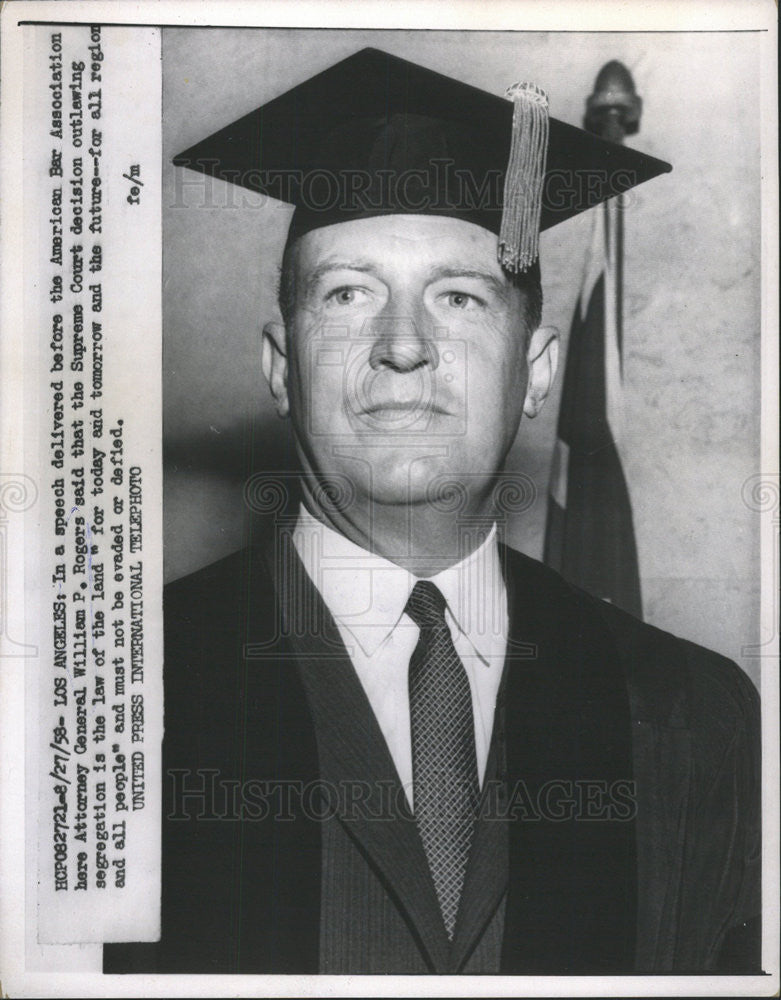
[367, 594]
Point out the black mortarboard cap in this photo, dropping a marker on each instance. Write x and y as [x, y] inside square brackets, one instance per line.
[376, 135]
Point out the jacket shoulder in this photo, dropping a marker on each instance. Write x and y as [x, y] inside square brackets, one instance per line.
[671, 681]
[211, 582]
[210, 617]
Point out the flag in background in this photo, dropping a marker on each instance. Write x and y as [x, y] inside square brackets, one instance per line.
[589, 536]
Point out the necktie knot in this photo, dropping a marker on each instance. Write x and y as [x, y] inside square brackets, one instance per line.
[426, 605]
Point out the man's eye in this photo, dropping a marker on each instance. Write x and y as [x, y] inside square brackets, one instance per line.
[345, 296]
[460, 300]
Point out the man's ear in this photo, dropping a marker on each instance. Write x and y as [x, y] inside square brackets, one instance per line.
[542, 358]
[273, 361]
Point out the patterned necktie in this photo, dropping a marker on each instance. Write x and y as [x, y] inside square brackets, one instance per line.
[444, 765]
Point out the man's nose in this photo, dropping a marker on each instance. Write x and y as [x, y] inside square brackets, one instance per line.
[402, 343]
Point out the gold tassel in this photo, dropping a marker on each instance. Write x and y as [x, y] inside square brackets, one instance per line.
[519, 235]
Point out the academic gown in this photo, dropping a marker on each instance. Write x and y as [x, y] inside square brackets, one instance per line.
[623, 834]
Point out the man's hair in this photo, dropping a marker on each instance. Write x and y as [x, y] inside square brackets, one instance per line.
[530, 285]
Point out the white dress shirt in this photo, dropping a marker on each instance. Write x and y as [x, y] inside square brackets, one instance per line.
[367, 594]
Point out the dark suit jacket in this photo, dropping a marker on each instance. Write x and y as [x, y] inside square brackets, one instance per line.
[622, 836]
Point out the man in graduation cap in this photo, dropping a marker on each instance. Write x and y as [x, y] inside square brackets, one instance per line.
[393, 744]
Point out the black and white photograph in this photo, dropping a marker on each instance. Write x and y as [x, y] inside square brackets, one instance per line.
[400, 499]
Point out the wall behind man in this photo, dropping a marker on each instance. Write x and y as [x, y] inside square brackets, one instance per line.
[691, 325]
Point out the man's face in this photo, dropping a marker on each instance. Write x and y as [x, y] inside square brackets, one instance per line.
[406, 356]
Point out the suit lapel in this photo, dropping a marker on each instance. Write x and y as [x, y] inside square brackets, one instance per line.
[486, 877]
[353, 754]
[572, 887]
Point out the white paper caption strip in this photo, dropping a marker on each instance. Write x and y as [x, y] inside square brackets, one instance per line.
[92, 192]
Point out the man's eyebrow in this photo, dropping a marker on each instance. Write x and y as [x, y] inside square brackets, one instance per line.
[325, 267]
[496, 283]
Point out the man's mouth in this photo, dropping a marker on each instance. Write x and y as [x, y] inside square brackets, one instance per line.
[395, 409]
[403, 406]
